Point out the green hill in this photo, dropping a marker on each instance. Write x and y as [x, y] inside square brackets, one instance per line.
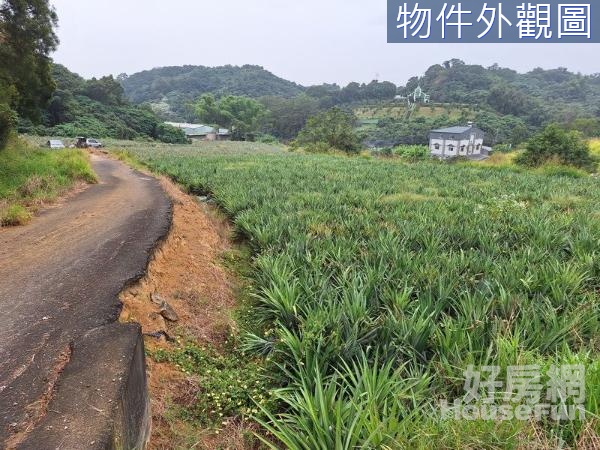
[169, 89]
[509, 106]
[536, 96]
[96, 107]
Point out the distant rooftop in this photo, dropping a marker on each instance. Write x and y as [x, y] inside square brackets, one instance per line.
[184, 125]
[198, 129]
[452, 130]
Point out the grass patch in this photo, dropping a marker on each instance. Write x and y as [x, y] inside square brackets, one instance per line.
[368, 114]
[31, 176]
[14, 215]
[232, 385]
[595, 147]
[499, 159]
[507, 160]
[559, 170]
[127, 158]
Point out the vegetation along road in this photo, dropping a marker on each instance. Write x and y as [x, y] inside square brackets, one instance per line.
[60, 277]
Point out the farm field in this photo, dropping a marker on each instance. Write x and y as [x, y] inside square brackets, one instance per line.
[398, 111]
[377, 283]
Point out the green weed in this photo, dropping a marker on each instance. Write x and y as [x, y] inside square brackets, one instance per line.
[231, 386]
[14, 215]
[29, 176]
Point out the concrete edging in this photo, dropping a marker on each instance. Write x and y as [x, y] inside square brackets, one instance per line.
[104, 405]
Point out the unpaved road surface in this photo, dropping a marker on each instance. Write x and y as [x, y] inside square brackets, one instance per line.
[60, 276]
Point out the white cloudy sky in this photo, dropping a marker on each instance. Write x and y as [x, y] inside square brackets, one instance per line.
[307, 41]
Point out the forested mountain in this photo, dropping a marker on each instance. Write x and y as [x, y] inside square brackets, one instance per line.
[507, 105]
[98, 108]
[170, 89]
[536, 96]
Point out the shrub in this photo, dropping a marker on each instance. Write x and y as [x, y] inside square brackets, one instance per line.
[385, 151]
[503, 148]
[14, 215]
[266, 139]
[595, 149]
[8, 121]
[554, 144]
[334, 128]
[317, 147]
[170, 135]
[412, 152]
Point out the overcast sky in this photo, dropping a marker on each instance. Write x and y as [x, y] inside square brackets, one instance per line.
[307, 41]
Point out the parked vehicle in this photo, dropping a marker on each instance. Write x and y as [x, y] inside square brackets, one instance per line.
[83, 142]
[93, 143]
[55, 144]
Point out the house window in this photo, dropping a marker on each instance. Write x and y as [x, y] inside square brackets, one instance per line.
[478, 146]
[436, 146]
[462, 148]
[451, 148]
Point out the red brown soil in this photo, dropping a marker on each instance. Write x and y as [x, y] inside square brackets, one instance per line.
[186, 271]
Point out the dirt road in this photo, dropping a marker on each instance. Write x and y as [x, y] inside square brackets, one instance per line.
[60, 277]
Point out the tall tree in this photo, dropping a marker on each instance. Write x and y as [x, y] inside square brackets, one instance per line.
[27, 39]
[105, 90]
[333, 129]
[242, 115]
[286, 117]
[208, 110]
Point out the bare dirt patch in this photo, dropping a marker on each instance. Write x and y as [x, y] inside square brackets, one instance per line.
[186, 272]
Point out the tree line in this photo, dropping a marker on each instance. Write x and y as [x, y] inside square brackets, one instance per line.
[96, 107]
[46, 98]
[40, 97]
[510, 107]
[27, 37]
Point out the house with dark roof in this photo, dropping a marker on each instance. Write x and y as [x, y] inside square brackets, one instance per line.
[200, 132]
[207, 133]
[457, 141]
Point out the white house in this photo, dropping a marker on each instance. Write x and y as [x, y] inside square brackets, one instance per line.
[457, 141]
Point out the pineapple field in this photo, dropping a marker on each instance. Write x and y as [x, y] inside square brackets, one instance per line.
[377, 283]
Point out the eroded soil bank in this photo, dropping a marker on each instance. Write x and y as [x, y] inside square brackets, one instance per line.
[188, 274]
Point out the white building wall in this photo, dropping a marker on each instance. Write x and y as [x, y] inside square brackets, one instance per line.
[433, 143]
[463, 147]
[468, 145]
[452, 147]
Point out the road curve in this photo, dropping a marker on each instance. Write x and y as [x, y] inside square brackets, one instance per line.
[60, 277]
